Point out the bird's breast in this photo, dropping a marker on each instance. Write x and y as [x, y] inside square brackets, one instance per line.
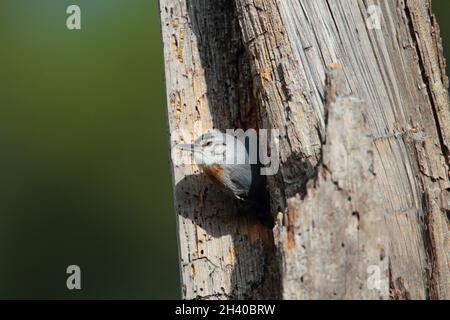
[215, 173]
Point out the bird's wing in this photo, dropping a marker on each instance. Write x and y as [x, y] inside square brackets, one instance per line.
[239, 179]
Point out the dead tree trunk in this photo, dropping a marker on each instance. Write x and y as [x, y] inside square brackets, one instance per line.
[362, 194]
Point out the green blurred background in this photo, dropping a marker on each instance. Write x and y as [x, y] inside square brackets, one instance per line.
[84, 152]
[84, 176]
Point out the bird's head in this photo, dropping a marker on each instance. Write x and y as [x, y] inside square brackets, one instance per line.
[215, 147]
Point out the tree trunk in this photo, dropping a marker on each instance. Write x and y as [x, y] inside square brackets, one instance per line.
[362, 194]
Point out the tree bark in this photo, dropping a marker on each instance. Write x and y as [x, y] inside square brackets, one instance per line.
[223, 255]
[362, 195]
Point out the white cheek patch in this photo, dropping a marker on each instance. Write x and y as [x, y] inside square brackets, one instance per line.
[218, 153]
[201, 158]
[220, 149]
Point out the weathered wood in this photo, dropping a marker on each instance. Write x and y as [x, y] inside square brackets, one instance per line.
[263, 63]
[282, 94]
[334, 244]
[223, 254]
[398, 71]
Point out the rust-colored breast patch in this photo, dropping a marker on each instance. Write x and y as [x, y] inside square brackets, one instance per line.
[215, 173]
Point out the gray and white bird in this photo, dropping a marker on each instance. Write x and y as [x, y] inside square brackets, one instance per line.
[225, 160]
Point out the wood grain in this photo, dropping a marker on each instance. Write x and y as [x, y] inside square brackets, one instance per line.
[223, 254]
[263, 64]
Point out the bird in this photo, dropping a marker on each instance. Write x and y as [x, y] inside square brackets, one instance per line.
[225, 160]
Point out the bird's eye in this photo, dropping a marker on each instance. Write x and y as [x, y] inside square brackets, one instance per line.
[209, 143]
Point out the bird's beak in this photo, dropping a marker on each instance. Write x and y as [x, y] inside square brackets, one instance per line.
[186, 147]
